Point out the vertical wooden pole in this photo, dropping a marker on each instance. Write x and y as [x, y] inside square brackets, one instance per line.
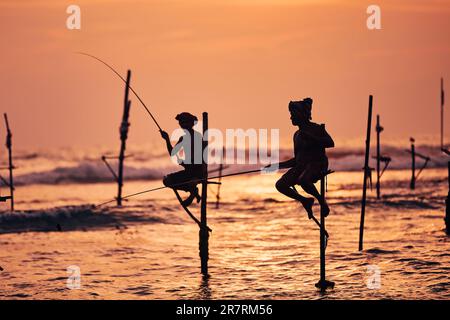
[378, 129]
[323, 283]
[203, 233]
[366, 174]
[123, 138]
[447, 203]
[219, 185]
[322, 234]
[10, 161]
[413, 165]
[442, 113]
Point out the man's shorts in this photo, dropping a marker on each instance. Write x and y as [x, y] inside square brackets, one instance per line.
[182, 180]
[305, 173]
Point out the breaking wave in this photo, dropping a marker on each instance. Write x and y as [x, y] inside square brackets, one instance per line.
[69, 218]
[87, 172]
[72, 166]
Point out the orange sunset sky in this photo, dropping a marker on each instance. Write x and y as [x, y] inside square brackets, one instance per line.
[240, 60]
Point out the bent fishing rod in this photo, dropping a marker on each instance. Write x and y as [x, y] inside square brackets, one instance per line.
[183, 183]
[132, 90]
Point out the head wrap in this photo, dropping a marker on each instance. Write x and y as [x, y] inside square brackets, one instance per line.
[303, 106]
[186, 116]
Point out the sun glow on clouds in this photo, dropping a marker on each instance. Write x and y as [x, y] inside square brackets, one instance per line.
[241, 60]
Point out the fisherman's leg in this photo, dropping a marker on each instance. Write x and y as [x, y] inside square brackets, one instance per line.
[288, 191]
[177, 181]
[285, 186]
[181, 181]
[191, 187]
[313, 173]
[310, 188]
[193, 194]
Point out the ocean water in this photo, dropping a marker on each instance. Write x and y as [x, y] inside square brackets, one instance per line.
[262, 246]
[150, 162]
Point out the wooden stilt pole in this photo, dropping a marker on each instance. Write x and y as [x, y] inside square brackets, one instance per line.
[123, 138]
[203, 233]
[413, 165]
[414, 155]
[323, 284]
[366, 174]
[446, 151]
[442, 113]
[218, 186]
[379, 129]
[10, 161]
[447, 204]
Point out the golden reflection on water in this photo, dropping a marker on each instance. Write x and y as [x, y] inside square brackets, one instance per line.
[262, 245]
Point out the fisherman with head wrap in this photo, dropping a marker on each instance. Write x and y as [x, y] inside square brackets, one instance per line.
[310, 162]
[191, 144]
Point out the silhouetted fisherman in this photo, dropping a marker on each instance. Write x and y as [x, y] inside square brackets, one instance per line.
[310, 162]
[191, 143]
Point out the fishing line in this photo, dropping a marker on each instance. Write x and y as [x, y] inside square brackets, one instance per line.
[132, 90]
[182, 183]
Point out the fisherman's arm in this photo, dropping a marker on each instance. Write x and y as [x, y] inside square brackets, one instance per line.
[328, 141]
[176, 149]
[165, 136]
[283, 165]
[323, 140]
[287, 164]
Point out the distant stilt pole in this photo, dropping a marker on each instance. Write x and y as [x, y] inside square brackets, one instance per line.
[442, 113]
[323, 284]
[414, 155]
[220, 180]
[447, 152]
[203, 233]
[379, 129]
[10, 161]
[123, 138]
[366, 174]
[447, 203]
[413, 165]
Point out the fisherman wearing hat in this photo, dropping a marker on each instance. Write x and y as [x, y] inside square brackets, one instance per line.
[310, 161]
[191, 144]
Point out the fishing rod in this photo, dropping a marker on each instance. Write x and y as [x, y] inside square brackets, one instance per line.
[129, 86]
[129, 196]
[183, 183]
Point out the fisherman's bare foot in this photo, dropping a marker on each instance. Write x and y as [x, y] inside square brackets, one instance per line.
[188, 201]
[308, 204]
[197, 195]
[325, 209]
[193, 195]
